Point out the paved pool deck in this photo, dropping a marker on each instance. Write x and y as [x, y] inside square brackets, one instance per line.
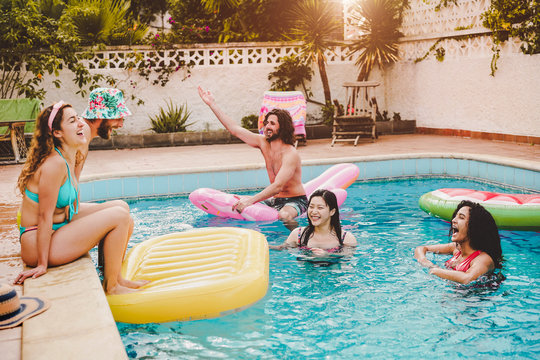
[79, 324]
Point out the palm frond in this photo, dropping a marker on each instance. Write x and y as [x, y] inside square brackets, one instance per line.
[314, 25]
[379, 22]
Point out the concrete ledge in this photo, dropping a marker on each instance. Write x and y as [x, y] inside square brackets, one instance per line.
[224, 137]
[396, 127]
[79, 323]
[162, 140]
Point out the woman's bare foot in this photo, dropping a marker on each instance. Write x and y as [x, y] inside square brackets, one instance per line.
[119, 289]
[132, 284]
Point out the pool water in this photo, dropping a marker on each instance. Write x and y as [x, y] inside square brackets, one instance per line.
[379, 303]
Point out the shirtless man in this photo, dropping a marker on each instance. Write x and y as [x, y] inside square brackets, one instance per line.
[285, 192]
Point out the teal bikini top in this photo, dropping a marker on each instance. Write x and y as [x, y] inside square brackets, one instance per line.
[67, 195]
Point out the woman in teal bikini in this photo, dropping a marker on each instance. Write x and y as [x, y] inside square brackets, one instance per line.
[475, 246]
[323, 236]
[52, 231]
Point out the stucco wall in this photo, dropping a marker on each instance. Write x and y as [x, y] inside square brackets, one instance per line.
[238, 89]
[461, 94]
[457, 93]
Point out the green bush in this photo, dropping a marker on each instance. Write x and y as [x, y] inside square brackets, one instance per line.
[290, 74]
[250, 122]
[382, 117]
[172, 119]
[328, 113]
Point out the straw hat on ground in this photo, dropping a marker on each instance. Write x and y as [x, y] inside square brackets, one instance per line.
[14, 310]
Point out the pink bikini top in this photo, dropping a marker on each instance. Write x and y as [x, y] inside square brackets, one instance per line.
[465, 265]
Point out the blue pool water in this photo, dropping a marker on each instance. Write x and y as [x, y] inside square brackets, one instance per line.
[378, 304]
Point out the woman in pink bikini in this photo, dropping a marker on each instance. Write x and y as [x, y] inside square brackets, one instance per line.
[323, 236]
[475, 246]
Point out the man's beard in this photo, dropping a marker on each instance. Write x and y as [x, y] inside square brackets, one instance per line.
[104, 130]
[274, 136]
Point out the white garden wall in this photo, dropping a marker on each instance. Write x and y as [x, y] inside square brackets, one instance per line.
[457, 93]
[238, 82]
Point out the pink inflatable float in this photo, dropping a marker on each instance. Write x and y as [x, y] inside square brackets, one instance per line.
[215, 202]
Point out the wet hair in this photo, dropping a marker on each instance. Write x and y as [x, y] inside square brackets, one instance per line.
[43, 143]
[286, 127]
[482, 231]
[330, 200]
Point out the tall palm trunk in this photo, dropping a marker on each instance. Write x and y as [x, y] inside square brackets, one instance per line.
[324, 79]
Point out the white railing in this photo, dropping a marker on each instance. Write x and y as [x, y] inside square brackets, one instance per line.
[212, 55]
[423, 19]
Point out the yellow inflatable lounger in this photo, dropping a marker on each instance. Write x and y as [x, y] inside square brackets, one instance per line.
[196, 274]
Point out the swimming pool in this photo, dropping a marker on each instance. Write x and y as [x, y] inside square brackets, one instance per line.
[380, 303]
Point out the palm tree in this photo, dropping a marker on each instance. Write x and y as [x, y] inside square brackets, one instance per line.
[378, 22]
[314, 25]
[217, 5]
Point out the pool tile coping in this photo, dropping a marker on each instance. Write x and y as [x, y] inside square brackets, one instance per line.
[166, 182]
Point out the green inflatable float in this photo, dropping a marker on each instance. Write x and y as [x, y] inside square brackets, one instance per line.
[510, 211]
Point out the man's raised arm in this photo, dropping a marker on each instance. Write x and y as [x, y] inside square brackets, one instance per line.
[245, 135]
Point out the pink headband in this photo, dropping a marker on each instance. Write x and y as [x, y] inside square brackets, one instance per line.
[54, 111]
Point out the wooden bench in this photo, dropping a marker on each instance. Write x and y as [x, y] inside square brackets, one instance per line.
[357, 118]
[15, 115]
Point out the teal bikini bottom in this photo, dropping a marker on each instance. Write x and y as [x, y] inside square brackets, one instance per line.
[55, 227]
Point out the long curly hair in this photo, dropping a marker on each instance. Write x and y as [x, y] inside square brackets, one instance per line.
[43, 143]
[330, 200]
[482, 231]
[286, 127]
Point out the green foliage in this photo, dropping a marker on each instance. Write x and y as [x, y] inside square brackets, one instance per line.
[192, 23]
[52, 8]
[103, 22]
[445, 3]
[439, 54]
[316, 26]
[459, 28]
[217, 5]
[379, 21]
[258, 20]
[290, 74]
[150, 65]
[250, 122]
[40, 37]
[328, 111]
[382, 116]
[513, 18]
[432, 48]
[145, 11]
[172, 119]
[206, 21]
[32, 45]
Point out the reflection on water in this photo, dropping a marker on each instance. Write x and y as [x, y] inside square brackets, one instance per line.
[378, 303]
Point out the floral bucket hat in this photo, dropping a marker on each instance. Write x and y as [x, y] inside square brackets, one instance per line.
[105, 103]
